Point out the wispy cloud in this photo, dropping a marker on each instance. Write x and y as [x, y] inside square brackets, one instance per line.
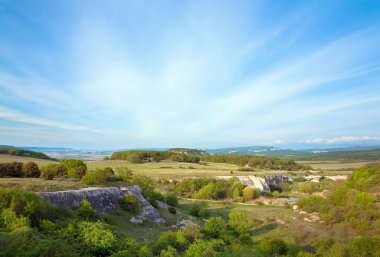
[195, 74]
[16, 116]
[342, 139]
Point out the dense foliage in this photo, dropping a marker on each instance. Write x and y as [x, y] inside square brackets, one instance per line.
[25, 153]
[353, 203]
[139, 156]
[262, 162]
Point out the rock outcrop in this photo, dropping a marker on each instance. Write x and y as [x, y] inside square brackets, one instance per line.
[262, 183]
[104, 200]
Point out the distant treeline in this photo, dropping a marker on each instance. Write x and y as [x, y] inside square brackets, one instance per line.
[139, 156]
[348, 155]
[25, 153]
[262, 162]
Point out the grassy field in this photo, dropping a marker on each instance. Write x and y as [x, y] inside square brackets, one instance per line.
[172, 170]
[12, 158]
[276, 221]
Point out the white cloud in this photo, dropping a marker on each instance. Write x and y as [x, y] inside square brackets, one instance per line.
[8, 114]
[342, 139]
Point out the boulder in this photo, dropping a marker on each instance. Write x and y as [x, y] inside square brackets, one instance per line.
[102, 200]
[136, 220]
[162, 205]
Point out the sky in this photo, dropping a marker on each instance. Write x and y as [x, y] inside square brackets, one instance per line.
[204, 74]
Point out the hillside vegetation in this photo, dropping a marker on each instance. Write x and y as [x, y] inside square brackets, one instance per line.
[354, 203]
[22, 152]
[179, 155]
[139, 156]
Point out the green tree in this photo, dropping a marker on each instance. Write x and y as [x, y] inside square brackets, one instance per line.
[96, 236]
[215, 227]
[238, 221]
[31, 170]
[250, 193]
[85, 210]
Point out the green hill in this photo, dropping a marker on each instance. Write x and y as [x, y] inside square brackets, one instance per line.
[22, 152]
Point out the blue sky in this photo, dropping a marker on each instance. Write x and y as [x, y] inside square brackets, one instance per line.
[124, 74]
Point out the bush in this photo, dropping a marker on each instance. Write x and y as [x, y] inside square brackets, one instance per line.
[75, 168]
[246, 239]
[238, 221]
[250, 193]
[85, 210]
[60, 170]
[47, 173]
[172, 199]
[135, 158]
[198, 209]
[172, 210]
[96, 237]
[215, 227]
[13, 169]
[31, 170]
[79, 172]
[28, 204]
[273, 246]
[169, 252]
[306, 187]
[129, 203]
[98, 176]
[202, 248]
[192, 232]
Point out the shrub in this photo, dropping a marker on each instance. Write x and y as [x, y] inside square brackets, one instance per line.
[202, 248]
[169, 252]
[10, 220]
[98, 176]
[198, 209]
[129, 203]
[148, 188]
[75, 168]
[13, 169]
[79, 172]
[60, 170]
[205, 192]
[172, 210]
[85, 210]
[31, 170]
[306, 187]
[28, 204]
[172, 199]
[250, 193]
[215, 227]
[273, 246]
[238, 221]
[47, 173]
[246, 239]
[192, 232]
[135, 158]
[96, 237]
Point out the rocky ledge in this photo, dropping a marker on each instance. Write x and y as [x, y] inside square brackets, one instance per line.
[104, 200]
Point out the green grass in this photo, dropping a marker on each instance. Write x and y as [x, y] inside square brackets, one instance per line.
[276, 221]
[11, 158]
[150, 230]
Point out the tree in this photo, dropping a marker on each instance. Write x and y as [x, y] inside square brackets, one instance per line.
[96, 237]
[85, 210]
[238, 221]
[250, 193]
[31, 170]
[215, 227]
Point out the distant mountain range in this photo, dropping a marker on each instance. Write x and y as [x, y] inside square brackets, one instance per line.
[343, 153]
